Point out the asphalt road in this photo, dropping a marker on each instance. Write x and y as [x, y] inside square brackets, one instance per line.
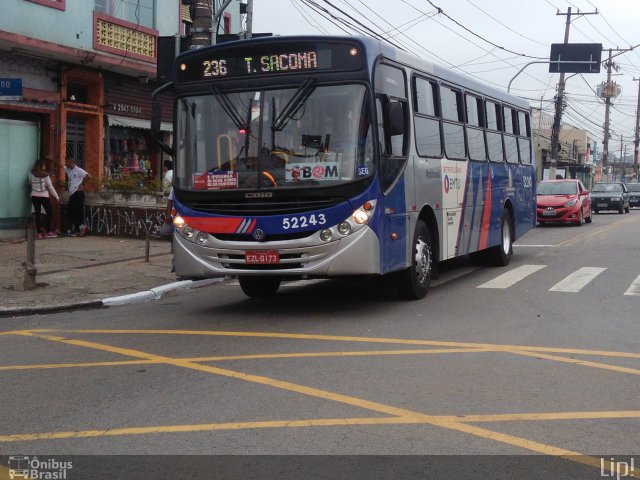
[539, 358]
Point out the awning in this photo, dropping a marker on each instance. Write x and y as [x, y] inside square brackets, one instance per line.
[128, 122]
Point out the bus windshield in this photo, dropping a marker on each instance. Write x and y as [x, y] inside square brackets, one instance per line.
[287, 138]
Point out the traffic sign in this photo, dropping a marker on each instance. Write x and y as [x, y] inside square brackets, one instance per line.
[575, 58]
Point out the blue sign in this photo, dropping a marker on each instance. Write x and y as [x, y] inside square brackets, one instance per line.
[10, 88]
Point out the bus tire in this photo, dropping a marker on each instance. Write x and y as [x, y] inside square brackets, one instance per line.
[259, 287]
[413, 283]
[500, 255]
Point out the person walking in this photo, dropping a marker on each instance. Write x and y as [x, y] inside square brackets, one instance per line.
[77, 178]
[41, 188]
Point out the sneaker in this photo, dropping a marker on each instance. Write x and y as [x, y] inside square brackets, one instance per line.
[83, 231]
[50, 235]
[40, 236]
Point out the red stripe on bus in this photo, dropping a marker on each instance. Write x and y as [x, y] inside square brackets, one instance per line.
[214, 225]
[486, 216]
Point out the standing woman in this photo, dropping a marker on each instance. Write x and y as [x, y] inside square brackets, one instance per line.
[41, 187]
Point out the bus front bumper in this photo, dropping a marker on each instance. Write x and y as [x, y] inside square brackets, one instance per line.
[355, 254]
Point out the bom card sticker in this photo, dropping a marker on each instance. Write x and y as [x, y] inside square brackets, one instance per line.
[215, 181]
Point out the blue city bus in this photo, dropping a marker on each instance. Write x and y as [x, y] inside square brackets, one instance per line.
[317, 157]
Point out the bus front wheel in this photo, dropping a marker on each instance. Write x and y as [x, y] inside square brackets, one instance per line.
[259, 287]
[413, 283]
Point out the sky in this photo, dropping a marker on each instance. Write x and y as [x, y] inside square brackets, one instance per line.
[492, 40]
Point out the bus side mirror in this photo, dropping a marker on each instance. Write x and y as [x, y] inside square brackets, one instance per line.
[156, 119]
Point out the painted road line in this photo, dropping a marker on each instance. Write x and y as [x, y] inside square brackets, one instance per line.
[377, 407]
[634, 288]
[576, 361]
[256, 356]
[533, 246]
[577, 280]
[511, 277]
[336, 338]
[452, 275]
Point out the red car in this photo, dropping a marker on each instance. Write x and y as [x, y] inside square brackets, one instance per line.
[563, 201]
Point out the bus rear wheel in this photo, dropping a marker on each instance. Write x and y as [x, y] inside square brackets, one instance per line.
[500, 255]
[413, 283]
[259, 287]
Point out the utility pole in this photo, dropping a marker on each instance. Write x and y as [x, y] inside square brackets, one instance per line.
[215, 18]
[557, 119]
[637, 139]
[605, 142]
[249, 22]
[201, 24]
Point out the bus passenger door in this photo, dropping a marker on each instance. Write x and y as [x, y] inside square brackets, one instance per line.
[453, 178]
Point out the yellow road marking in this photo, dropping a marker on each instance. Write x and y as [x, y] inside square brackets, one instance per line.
[257, 356]
[302, 336]
[446, 423]
[319, 422]
[595, 233]
[401, 415]
[576, 361]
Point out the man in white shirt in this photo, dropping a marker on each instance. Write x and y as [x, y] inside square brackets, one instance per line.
[77, 178]
[167, 168]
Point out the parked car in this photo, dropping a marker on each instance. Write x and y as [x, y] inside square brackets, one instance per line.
[634, 194]
[610, 196]
[564, 200]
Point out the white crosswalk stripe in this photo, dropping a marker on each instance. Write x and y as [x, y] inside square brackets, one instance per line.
[577, 280]
[634, 288]
[511, 277]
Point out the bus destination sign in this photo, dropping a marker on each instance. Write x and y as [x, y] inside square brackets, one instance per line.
[282, 62]
[218, 63]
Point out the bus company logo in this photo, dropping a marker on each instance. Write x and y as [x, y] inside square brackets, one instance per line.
[35, 469]
[258, 234]
[450, 183]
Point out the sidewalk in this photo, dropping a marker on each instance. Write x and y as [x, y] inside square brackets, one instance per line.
[86, 272]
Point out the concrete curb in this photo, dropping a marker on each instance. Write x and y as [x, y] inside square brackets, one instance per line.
[139, 297]
[158, 292]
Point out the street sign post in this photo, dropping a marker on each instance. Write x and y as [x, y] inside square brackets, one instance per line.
[575, 58]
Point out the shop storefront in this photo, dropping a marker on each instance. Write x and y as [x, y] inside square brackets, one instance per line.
[129, 148]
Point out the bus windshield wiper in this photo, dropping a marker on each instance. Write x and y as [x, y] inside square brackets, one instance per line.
[293, 105]
[230, 109]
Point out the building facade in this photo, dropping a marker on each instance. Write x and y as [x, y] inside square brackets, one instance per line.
[76, 78]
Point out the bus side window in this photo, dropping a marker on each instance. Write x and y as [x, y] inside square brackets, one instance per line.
[524, 138]
[510, 129]
[494, 132]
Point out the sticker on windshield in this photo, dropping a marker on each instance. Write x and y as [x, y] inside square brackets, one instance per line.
[297, 172]
[215, 181]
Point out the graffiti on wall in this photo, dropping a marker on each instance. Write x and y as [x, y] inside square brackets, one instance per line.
[123, 221]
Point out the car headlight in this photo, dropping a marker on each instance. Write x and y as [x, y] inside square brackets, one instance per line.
[571, 203]
[615, 199]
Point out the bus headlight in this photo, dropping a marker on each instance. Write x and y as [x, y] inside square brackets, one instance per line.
[362, 215]
[201, 238]
[326, 235]
[188, 231]
[178, 221]
[344, 228]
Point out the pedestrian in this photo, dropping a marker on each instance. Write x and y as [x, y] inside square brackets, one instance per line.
[77, 178]
[167, 180]
[41, 188]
